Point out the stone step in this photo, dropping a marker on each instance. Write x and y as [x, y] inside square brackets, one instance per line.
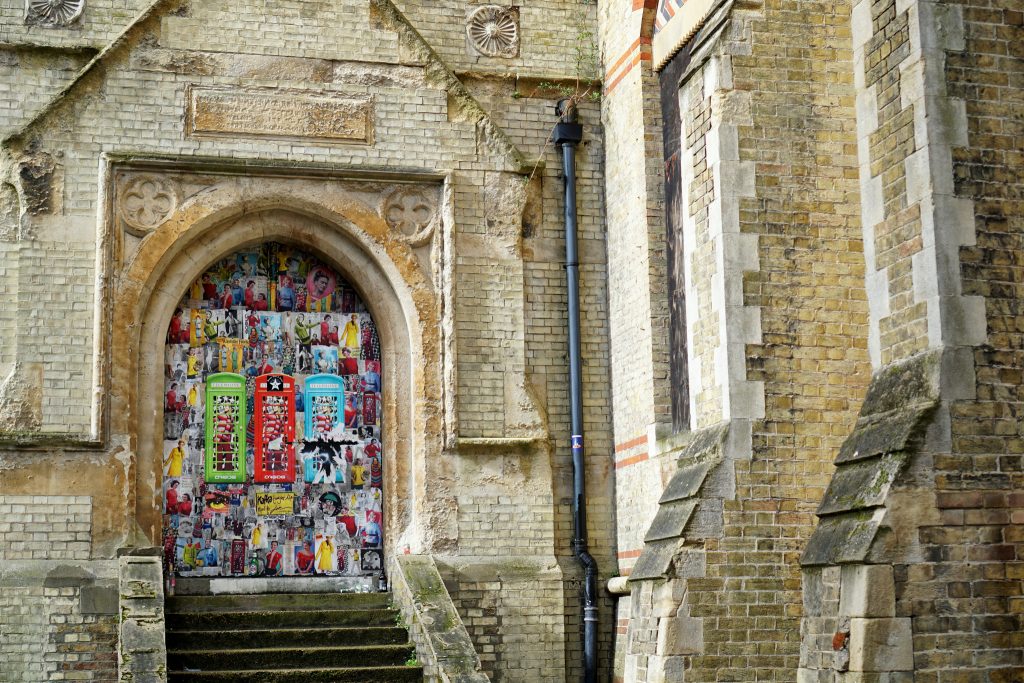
[268, 658]
[287, 636]
[228, 639]
[249, 585]
[383, 674]
[271, 619]
[265, 602]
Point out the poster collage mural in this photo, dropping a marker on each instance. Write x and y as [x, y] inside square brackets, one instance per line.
[272, 457]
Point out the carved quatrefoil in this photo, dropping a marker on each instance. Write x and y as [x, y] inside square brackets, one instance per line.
[410, 213]
[146, 202]
[493, 30]
[54, 12]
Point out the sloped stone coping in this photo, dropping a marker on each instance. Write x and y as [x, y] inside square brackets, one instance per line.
[897, 410]
[702, 452]
[443, 646]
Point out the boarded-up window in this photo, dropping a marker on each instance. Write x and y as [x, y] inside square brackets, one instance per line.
[674, 206]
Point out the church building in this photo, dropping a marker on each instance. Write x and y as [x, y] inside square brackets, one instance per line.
[632, 341]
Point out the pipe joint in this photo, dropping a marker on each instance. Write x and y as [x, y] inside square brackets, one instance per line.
[567, 134]
[568, 130]
[566, 111]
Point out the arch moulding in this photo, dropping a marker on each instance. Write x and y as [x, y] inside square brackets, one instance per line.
[338, 221]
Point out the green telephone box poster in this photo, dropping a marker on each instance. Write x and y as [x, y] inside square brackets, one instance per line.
[225, 429]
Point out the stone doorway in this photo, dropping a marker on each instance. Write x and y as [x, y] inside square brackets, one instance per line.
[272, 462]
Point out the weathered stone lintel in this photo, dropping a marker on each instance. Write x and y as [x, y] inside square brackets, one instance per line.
[84, 47]
[240, 166]
[484, 445]
[322, 116]
[35, 441]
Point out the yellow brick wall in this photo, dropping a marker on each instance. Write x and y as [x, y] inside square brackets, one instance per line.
[974, 559]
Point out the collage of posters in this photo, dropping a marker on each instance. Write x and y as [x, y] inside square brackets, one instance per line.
[272, 458]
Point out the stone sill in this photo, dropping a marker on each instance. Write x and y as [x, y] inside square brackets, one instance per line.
[514, 445]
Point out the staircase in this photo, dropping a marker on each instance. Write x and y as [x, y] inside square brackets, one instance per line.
[285, 637]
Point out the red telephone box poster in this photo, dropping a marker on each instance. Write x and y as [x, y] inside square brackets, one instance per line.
[274, 447]
[237, 556]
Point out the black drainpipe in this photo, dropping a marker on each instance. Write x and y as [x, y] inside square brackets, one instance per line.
[568, 133]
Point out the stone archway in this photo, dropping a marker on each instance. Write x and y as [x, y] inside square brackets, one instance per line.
[351, 238]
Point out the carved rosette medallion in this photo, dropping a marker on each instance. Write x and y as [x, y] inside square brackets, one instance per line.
[145, 202]
[409, 213]
[493, 30]
[53, 13]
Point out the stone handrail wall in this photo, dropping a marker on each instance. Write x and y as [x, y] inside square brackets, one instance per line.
[142, 652]
[443, 646]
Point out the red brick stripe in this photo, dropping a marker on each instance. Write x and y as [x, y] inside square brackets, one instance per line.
[639, 51]
[626, 445]
[626, 462]
[626, 54]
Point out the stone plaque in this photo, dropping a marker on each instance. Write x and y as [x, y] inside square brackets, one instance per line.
[273, 114]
